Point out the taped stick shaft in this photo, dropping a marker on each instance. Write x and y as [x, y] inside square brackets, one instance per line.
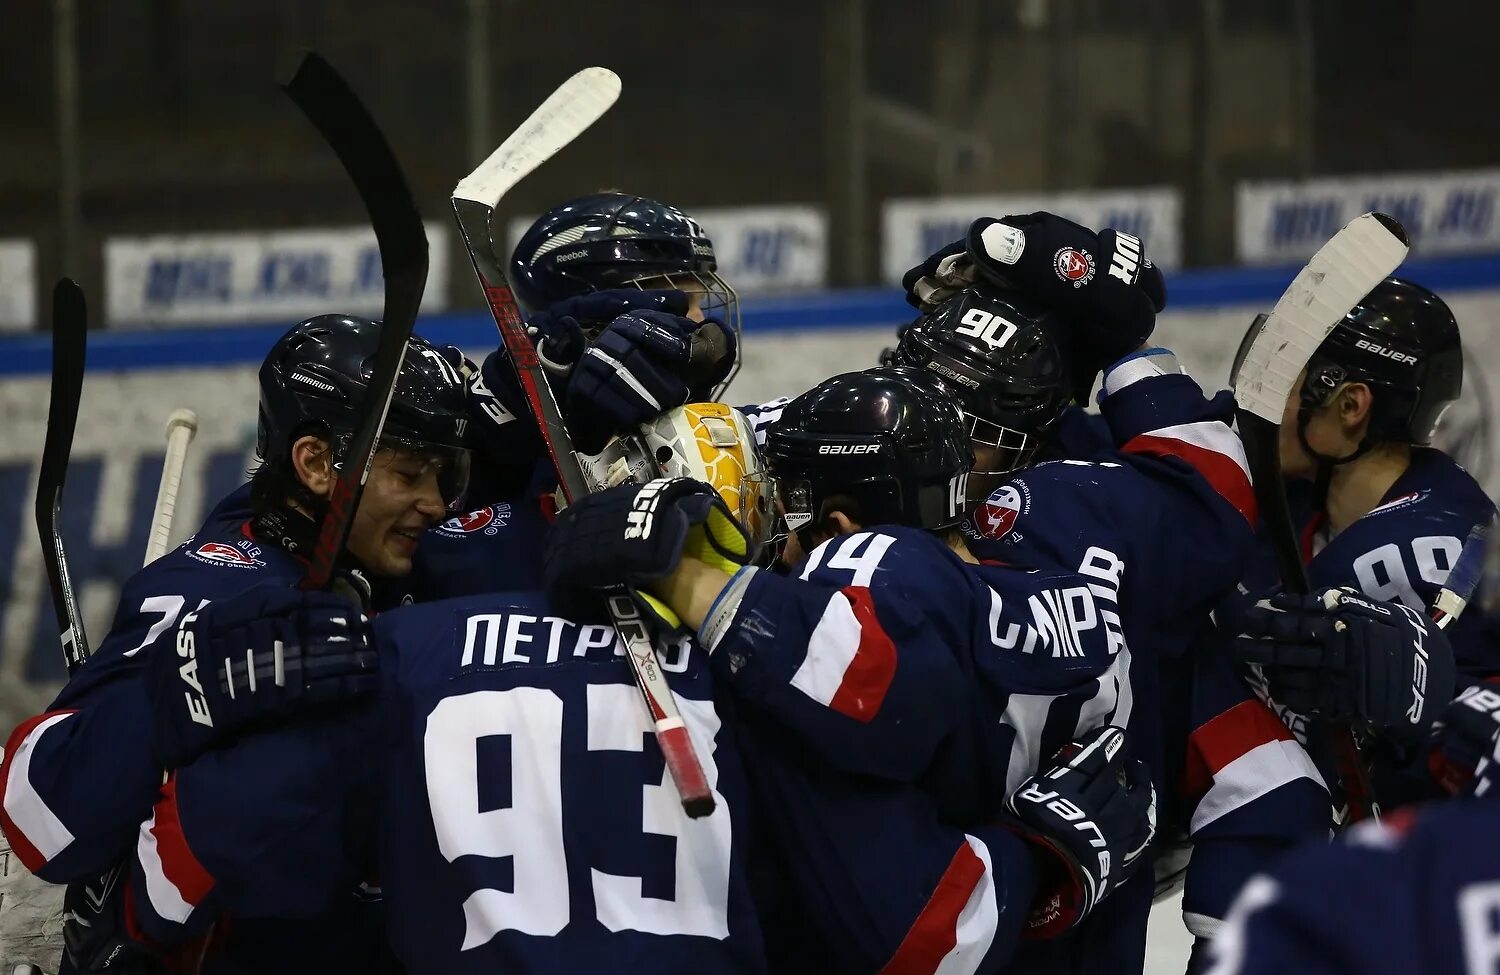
[181, 426]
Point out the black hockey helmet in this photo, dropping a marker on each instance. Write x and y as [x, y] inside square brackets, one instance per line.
[616, 240]
[890, 440]
[999, 355]
[313, 381]
[1402, 341]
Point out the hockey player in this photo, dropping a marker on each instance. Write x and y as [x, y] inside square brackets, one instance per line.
[81, 780]
[1418, 891]
[1382, 518]
[631, 318]
[517, 745]
[832, 664]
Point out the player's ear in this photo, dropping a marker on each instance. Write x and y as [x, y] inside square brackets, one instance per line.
[313, 462]
[841, 524]
[1354, 404]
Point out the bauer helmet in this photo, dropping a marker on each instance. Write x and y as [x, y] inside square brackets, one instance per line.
[1402, 341]
[887, 446]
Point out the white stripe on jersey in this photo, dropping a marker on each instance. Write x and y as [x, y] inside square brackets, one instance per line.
[25, 807]
[976, 922]
[166, 900]
[1209, 435]
[1262, 769]
[830, 651]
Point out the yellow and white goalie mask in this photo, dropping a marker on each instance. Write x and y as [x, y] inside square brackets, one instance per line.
[708, 442]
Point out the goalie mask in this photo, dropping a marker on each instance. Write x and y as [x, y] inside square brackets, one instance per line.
[707, 442]
[888, 446]
[998, 355]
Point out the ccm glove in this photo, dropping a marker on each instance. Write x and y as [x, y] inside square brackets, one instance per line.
[1089, 816]
[262, 656]
[1340, 655]
[633, 533]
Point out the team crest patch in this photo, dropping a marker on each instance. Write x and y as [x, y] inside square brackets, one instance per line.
[488, 520]
[1073, 266]
[218, 553]
[997, 515]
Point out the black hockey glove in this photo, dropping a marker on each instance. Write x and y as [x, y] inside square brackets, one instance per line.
[1090, 815]
[634, 533]
[258, 657]
[1340, 655]
[1104, 283]
[1463, 735]
[96, 937]
[643, 363]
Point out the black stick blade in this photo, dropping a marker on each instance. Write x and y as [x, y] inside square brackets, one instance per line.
[338, 114]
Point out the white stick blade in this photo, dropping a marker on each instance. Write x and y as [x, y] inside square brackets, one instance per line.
[1343, 271]
[564, 116]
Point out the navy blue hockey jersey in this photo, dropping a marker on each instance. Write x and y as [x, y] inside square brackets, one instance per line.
[1253, 789]
[1418, 891]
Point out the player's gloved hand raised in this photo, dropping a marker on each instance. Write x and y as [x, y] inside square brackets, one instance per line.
[634, 533]
[1103, 282]
[644, 362]
[264, 655]
[1090, 815]
[1463, 735]
[1340, 655]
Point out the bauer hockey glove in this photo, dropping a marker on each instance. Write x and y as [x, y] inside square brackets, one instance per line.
[1464, 734]
[1340, 655]
[1089, 817]
[634, 533]
[256, 658]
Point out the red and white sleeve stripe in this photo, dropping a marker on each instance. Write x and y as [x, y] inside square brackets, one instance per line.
[955, 930]
[34, 830]
[850, 659]
[176, 883]
[1239, 756]
[1213, 449]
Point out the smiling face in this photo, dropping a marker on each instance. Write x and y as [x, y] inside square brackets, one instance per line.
[402, 499]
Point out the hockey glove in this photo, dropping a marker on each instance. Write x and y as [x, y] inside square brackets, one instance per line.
[1463, 735]
[1090, 817]
[643, 363]
[1340, 655]
[634, 533]
[261, 656]
[96, 931]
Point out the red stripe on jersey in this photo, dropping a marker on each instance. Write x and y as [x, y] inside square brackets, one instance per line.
[868, 676]
[30, 856]
[1218, 742]
[178, 864]
[1223, 474]
[935, 932]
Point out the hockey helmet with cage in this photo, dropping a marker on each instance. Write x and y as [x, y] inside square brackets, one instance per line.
[617, 240]
[998, 354]
[315, 381]
[1402, 341]
[707, 442]
[887, 446]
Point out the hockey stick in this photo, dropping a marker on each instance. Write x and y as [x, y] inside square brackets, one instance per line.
[1343, 271]
[566, 113]
[69, 349]
[337, 113]
[181, 426]
[1463, 578]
